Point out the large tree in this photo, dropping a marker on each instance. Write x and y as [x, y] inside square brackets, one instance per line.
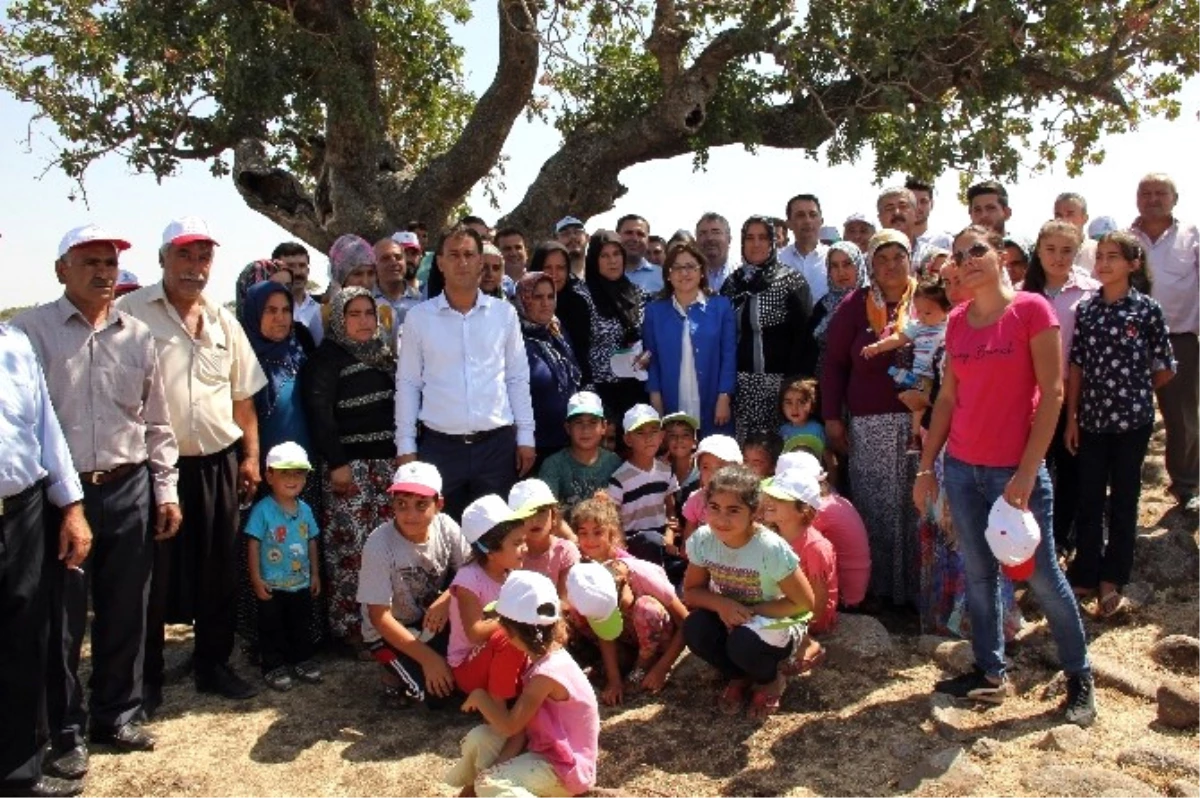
[334, 116]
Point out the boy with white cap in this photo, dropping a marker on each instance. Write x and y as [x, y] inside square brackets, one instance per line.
[584, 467]
[282, 548]
[645, 491]
[407, 564]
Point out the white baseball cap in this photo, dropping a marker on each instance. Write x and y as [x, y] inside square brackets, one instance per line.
[722, 447]
[639, 415]
[679, 415]
[565, 222]
[797, 485]
[407, 240]
[592, 592]
[859, 217]
[528, 496]
[89, 234]
[585, 403]
[829, 233]
[483, 515]
[1013, 536]
[1101, 225]
[185, 230]
[527, 597]
[423, 479]
[801, 460]
[288, 456]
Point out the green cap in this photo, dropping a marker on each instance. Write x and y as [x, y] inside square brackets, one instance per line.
[805, 441]
[609, 628]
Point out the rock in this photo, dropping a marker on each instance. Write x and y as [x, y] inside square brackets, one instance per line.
[949, 771]
[1158, 761]
[857, 639]
[1055, 688]
[1083, 782]
[1178, 704]
[1165, 558]
[1141, 594]
[950, 721]
[1177, 652]
[1109, 674]
[904, 750]
[1066, 738]
[986, 748]
[1183, 788]
[927, 644]
[955, 656]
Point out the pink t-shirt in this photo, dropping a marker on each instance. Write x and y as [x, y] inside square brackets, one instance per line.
[843, 527]
[996, 387]
[819, 564]
[556, 561]
[647, 578]
[474, 579]
[695, 509]
[566, 733]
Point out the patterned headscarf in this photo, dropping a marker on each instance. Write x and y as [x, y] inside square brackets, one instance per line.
[835, 295]
[546, 339]
[256, 272]
[280, 360]
[877, 312]
[752, 278]
[374, 352]
[524, 294]
[348, 253]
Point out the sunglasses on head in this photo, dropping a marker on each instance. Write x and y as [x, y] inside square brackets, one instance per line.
[976, 250]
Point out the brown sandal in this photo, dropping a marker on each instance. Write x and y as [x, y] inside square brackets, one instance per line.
[1113, 605]
[732, 697]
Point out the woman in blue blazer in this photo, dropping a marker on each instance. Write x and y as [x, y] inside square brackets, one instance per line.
[701, 380]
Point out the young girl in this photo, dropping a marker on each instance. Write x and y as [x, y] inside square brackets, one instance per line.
[546, 551]
[760, 451]
[679, 432]
[548, 743]
[1119, 356]
[747, 595]
[715, 452]
[653, 615]
[797, 406]
[479, 653]
[926, 331]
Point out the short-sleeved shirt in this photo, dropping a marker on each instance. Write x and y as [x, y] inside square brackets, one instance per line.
[283, 543]
[996, 390]
[647, 579]
[555, 562]
[818, 561]
[203, 376]
[695, 509]
[566, 733]
[749, 575]
[1119, 346]
[572, 481]
[843, 527]
[408, 576]
[926, 339]
[642, 495]
[474, 579]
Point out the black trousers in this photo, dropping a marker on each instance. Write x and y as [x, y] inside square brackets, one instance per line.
[195, 572]
[1064, 469]
[411, 674]
[471, 470]
[23, 622]
[738, 653]
[285, 628]
[117, 574]
[1110, 464]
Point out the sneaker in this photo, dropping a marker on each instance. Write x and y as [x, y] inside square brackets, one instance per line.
[222, 681]
[975, 686]
[278, 679]
[307, 671]
[1081, 700]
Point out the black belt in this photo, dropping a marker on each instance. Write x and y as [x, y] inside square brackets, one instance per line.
[105, 477]
[469, 438]
[10, 504]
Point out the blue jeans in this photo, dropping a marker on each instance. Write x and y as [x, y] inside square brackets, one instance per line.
[972, 490]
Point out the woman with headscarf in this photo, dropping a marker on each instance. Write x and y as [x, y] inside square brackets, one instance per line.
[615, 311]
[845, 270]
[349, 396]
[570, 308]
[553, 370]
[772, 305]
[880, 424]
[352, 265]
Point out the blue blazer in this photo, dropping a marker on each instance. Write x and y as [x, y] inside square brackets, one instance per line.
[713, 331]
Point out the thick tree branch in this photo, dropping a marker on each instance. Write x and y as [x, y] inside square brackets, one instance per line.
[667, 40]
[278, 194]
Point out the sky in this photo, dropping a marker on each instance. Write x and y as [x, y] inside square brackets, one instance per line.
[36, 208]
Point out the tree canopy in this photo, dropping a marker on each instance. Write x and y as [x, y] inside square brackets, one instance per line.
[336, 116]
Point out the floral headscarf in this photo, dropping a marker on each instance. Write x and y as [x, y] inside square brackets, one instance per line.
[280, 360]
[545, 339]
[524, 294]
[835, 295]
[255, 272]
[375, 352]
[877, 312]
[348, 253]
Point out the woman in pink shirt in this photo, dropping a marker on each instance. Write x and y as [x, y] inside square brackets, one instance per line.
[996, 412]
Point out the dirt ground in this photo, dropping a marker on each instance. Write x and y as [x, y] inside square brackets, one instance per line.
[839, 732]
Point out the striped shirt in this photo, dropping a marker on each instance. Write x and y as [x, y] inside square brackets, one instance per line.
[642, 495]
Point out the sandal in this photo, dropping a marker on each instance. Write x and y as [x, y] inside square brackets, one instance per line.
[1113, 605]
[732, 697]
[765, 703]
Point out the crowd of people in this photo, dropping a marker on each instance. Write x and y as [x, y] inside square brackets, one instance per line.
[532, 472]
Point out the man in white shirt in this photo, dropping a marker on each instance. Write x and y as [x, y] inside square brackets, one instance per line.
[923, 195]
[807, 254]
[1072, 207]
[1173, 249]
[635, 239]
[858, 229]
[462, 383]
[713, 238]
[897, 209]
[307, 310]
[396, 277]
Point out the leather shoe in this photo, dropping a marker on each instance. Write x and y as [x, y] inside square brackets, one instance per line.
[56, 787]
[72, 764]
[222, 681]
[126, 737]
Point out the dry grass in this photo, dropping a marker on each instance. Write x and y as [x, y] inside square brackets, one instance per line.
[838, 733]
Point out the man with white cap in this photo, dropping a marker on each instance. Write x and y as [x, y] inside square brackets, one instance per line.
[858, 230]
[571, 233]
[211, 374]
[103, 376]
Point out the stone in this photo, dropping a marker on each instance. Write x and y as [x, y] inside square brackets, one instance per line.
[1055, 688]
[1158, 761]
[1109, 674]
[952, 723]
[856, 640]
[904, 750]
[927, 644]
[986, 748]
[955, 656]
[1141, 594]
[1166, 557]
[1066, 738]
[1183, 788]
[949, 771]
[1178, 704]
[1084, 782]
[1177, 652]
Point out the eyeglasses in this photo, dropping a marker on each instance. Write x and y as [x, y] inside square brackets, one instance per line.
[976, 250]
[685, 267]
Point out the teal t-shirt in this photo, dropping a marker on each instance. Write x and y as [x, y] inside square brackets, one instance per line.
[749, 575]
[571, 481]
[283, 543]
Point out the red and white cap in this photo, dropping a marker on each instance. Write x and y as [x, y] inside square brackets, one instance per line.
[416, 477]
[407, 240]
[89, 234]
[1013, 536]
[186, 230]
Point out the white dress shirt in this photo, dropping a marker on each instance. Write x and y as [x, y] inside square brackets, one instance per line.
[1175, 270]
[461, 373]
[308, 313]
[811, 268]
[689, 385]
